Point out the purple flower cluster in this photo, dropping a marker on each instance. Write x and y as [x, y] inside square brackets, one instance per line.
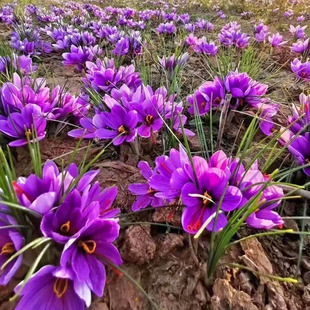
[27, 104]
[221, 184]
[301, 69]
[103, 76]
[276, 40]
[7, 13]
[298, 32]
[166, 28]
[77, 215]
[78, 56]
[172, 64]
[301, 46]
[260, 32]
[201, 45]
[244, 92]
[136, 111]
[27, 40]
[22, 64]
[297, 137]
[11, 241]
[231, 35]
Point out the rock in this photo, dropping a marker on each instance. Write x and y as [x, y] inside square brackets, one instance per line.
[226, 297]
[124, 295]
[305, 263]
[291, 224]
[306, 295]
[255, 257]
[201, 294]
[306, 277]
[275, 295]
[139, 246]
[168, 243]
[99, 306]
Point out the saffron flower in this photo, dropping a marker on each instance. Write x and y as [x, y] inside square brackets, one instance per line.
[300, 149]
[298, 32]
[120, 125]
[84, 253]
[80, 55]
[21, 126]
[300, 118]
[149, 118]
[202, 201]
[146, 194]
[302, 70]
[276, 40]
[51, 287]
[208, 94]
[11, 241]
[300, 46]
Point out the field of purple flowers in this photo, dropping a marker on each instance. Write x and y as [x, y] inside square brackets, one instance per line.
[155, 155]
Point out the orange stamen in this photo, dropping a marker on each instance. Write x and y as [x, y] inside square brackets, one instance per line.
[122, 129]
[60, 287]
[149, 119]
[206, 201]
[65, 228]
[88, 246]
[8, 248]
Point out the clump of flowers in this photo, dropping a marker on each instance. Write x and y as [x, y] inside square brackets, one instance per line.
[172, 64]
[103, 76]
[231, 35]
[244, 91]
[301, 69]
[297, 136]
[7, 13]
[260, 32]
[72, 217]
[208, 190]
[133, 112]
[27, 40]
[166, 28]
[27, 104]
[298, 32]
[78, 56]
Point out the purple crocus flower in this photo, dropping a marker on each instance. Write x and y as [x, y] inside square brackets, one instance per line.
[121, 125]
[208, 48]
[264, 219]
[300, 46]
[80, 55]
[69, 218]
[168, 28]
[208, 94]
[23, 64]
[268, 111]
[88, 130]
[302, 70]
[20, 126]
[146, 195]
[244, 89]
[122, 47]
[189, 27]
[84, 253]
[149, 118]
[201, 202]
[298, 32]
[300, 149]
[300, 118]
[11, 241]
[51, 287]
[170, 175]
[276, 40]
